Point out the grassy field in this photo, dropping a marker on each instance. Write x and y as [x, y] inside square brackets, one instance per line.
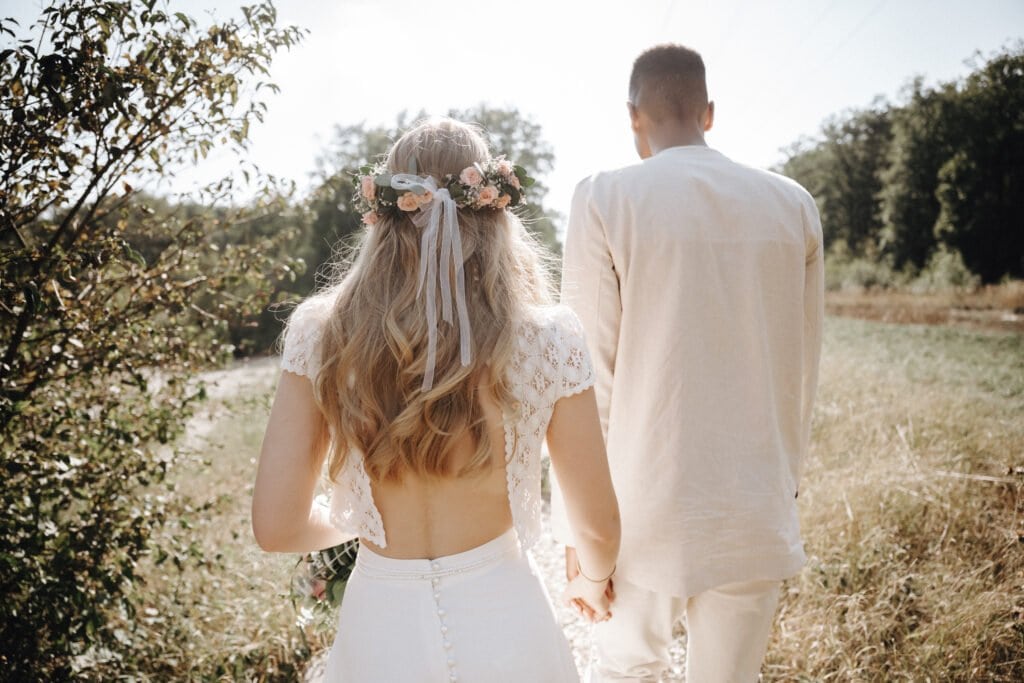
[912, 511]
[913, 515]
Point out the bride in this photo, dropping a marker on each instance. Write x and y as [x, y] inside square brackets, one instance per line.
[427, 378]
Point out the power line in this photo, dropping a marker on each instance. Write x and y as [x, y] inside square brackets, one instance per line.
[850, 36]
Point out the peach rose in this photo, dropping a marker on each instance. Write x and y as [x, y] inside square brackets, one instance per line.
[370, 218]
[514, 181]
[425, 198]
[471, 176]
[505, 167]
[487, 195]
[407, 202]
[503, 201]
[367, 187]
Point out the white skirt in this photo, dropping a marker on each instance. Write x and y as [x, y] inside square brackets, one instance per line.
[481, 615]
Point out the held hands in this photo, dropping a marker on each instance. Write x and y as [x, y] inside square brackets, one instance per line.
[591, 598]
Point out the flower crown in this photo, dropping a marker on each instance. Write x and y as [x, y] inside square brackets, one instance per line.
[494, 184]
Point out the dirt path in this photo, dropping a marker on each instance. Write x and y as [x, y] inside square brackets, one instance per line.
[243, 378]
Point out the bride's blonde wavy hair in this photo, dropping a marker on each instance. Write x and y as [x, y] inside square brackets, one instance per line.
[374, 344]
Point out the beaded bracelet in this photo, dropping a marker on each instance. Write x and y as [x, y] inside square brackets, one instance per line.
[580, 570]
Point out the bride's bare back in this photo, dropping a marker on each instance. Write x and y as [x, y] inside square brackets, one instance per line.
[428, 517]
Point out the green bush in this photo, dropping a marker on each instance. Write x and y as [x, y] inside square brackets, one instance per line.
[108, 305]
[945, 271]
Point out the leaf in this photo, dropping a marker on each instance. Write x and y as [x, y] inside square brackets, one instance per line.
[133, 255]
[337, 592]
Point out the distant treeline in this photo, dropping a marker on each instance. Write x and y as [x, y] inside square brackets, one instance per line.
[937, 177]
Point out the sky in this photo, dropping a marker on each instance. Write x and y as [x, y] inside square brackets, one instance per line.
[776, 69]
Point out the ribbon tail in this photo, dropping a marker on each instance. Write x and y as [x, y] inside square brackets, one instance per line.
[451, 227]
[424, 255]
[465, 338]
[428, 373]
[428, 279]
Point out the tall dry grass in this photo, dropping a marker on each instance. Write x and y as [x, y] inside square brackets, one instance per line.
[912, 511]
[994, 307]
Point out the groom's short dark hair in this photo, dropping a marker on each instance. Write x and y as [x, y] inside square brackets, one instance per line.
[668, 81]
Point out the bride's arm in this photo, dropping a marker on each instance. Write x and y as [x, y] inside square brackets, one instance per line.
[578, 458]
[284, 516]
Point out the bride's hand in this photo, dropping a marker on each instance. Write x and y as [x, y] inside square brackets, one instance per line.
[592, 598]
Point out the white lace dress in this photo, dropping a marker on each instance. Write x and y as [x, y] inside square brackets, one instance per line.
[481, 615]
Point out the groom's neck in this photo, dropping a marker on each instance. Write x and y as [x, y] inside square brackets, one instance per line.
[674, 136]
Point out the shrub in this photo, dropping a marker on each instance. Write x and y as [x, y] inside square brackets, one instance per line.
[108, 305]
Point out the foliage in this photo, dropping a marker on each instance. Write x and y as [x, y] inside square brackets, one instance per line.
[109, 302]
[942, 172]
[924, 135]
[842, 171]
[981, 186]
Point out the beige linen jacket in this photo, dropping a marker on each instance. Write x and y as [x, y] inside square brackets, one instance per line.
[699, 284]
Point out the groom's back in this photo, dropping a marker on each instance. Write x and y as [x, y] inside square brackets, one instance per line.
[705, 418]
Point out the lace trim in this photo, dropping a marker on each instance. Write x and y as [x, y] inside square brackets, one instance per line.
[352, 508]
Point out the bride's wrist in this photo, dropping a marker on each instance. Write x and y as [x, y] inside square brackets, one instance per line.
[582, 573]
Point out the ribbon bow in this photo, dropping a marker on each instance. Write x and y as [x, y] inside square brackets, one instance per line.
[435, 269]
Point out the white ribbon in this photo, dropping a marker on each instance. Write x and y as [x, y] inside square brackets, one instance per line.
[435, 269]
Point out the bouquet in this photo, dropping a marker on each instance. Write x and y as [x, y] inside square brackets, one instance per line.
[319, 581]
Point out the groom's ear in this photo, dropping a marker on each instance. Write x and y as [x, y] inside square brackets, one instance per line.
[709, 116]
[634, 116]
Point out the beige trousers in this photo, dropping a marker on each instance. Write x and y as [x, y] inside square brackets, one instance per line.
[727, 631]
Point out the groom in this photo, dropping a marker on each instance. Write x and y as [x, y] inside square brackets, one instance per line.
[699, 283]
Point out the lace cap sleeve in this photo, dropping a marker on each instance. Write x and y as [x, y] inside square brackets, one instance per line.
[301, 348]
[576, 368]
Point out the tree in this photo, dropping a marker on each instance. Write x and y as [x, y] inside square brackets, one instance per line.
[842, 170]
[110, 301]
[857, 145]
[933, 180]
[924, 138]
[981, 186]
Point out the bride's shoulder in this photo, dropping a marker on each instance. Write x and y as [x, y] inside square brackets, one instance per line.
[301, 338]
[556, 320]
[314, 307]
